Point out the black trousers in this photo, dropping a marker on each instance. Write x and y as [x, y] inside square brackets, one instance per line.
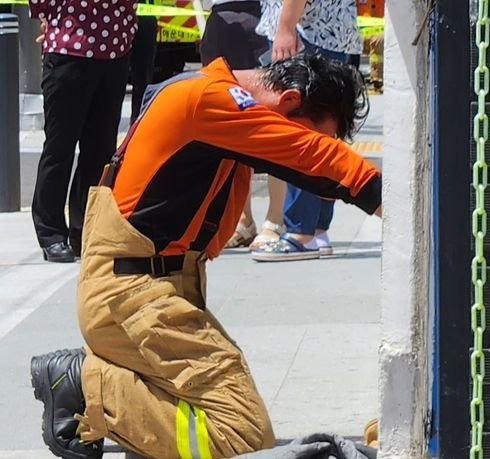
[142, 61]
[82, 103]
[230, 33]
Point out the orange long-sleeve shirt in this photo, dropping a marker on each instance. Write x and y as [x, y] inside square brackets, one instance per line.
[187, 165]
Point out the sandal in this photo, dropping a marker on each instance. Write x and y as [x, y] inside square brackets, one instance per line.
[242, 237]
[284, 249]
[263, 239]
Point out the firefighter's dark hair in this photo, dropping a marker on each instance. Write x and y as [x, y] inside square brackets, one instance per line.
[328, 88]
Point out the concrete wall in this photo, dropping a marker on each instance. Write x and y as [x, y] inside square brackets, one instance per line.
[403, 348]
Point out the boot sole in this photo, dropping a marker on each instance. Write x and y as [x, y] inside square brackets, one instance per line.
[42, 392]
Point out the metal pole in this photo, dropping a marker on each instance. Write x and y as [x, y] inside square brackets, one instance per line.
[452, 226]
[9, 114]
[29, 51]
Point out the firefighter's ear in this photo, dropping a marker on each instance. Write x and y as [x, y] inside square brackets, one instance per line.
[289, 101]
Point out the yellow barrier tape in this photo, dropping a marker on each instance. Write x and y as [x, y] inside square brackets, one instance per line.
[367, 32]
[142, 9]
[369, 26]
[366, 21]
[173, 33]
[161, 10]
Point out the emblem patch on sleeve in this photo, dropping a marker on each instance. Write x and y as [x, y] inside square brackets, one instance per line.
[242, 98]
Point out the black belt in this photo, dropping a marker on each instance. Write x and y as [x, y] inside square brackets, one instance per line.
[157, 266]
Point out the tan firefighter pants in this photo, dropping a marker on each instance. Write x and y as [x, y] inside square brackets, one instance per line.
[161, 376]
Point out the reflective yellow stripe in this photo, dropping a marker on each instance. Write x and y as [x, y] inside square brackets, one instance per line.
[202, 434]
[192, 432]
[182, 428]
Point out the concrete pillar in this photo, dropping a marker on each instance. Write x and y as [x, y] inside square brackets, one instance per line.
[405, 270]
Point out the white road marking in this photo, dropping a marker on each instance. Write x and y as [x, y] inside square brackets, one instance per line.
[24, 288]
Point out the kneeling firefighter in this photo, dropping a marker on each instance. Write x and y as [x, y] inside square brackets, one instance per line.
[160, 375]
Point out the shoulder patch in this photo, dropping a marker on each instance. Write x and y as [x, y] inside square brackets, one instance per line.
[242, 98]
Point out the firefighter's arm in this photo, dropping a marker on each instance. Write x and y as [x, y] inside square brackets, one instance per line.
[257, 136]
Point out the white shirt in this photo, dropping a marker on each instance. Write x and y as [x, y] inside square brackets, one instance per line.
[328, 24]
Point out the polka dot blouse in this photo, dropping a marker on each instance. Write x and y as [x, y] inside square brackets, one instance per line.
[99, 29]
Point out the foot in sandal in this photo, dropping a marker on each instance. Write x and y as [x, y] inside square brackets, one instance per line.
[270, 232]
[286, 248]
[242, 237]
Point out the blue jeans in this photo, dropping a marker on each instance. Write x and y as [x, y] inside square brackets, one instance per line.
[304, 212]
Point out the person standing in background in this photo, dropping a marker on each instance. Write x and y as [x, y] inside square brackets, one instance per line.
[327, 27]
[374, 48]
[85, 70]
[374, 43]
[142, 60]
[230, 33]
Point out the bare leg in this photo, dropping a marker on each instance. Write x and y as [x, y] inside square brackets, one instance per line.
[273, 225]
[246, 230]
[277, 190]
[247, 218]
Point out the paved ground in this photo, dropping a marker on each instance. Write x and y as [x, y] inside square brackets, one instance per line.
[309, 329]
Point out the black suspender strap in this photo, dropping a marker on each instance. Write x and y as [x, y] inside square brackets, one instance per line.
[110, 170]
[213, 215]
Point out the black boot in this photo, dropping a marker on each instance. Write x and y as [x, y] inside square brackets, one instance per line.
[56, 379]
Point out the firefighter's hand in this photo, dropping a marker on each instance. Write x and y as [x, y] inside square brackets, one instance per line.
[286, 44]
[378, 212]
[43, 26]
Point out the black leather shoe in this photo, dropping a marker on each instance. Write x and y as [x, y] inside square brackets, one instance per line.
[56, 379]
[59, 252]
